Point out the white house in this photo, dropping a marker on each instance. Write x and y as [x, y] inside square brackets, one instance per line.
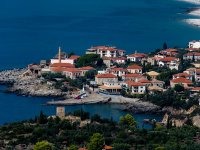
[194, 44]
[135, 87]
[192, 56]
[134, 69]
[137, 57]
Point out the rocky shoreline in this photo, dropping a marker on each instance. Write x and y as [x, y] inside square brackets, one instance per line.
[34, 86]
[27, 85]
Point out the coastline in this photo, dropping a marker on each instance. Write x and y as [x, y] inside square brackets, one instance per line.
[26, 86]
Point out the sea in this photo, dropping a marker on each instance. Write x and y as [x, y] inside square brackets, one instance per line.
[33, 30]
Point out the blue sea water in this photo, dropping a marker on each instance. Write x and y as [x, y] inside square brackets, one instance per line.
[32, 30]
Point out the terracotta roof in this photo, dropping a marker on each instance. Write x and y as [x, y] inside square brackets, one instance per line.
[71, 70]
[118, 58]
[192, 49]
[182, 75]
[171, 50]
[63, 65]
[132, 83]
[106, 147]
[74, 57]
[121, 50]
[86, 68]
[107, 75]
[144, 81]
[57, 69]
[195, 89]
[118, 69]
[82, 149]
[168, 59]
[132, 75]
[134, 67]
[192, 54]
[181, 80]
[138, 55]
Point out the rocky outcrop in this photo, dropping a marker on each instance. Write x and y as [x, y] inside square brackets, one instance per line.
[27, 85]
[143, 107]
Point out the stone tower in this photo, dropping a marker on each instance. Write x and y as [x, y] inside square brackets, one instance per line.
[60, 112]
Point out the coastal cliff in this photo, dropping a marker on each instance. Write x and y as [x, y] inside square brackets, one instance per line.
[27, 85]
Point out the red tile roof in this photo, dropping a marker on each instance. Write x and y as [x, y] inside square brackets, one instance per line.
[181, 80]
[118, 69]
[195, 89]
[134, 75]
[134, 67]
[193, 54]
[106, 147]
[168, 59]
[74, 57]
[108, 75]
[144, 81]
[132, 83]
[86, 68]
[71, 70]
[182, 75]
[62, 65]
[138, 55]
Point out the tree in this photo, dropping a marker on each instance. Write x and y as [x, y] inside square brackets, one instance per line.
[96, 142]
[164, 45]
[42, 118]
[73, 147]
[43, 145]
[128, 120]
[178, 88]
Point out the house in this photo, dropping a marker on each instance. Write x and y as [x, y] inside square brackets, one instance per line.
[157, 83]
[111, 88]
[61, 57]
[85, 69]
[119, 60]
[145, 82]
[106, 51]
[169, 52]
[182, 81]
[191, 71]
[194, 44]
[182, 75]
[131, 77]
[118, 71]
[170, 62]
[135, 69]
[193, 56]
[195, 90]
[135, 87]
[103, 78]
[153, 74]
[197, 75]
[137, 57]
[107, 61]
[72, 73]
[72, 59]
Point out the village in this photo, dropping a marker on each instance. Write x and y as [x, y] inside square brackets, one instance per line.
[134, 74]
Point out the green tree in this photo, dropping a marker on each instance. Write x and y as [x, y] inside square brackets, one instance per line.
[128, 120]
[43, 145]
[178, 88]
[42, 118]
[96, 142]
[73, 147]
[164, 45]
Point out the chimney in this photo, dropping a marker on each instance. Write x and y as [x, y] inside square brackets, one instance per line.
[59, 54]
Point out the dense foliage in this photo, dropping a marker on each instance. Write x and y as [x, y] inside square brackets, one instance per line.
[63, 134]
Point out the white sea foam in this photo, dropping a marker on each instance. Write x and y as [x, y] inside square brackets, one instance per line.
[192, 1]
[195, 22]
